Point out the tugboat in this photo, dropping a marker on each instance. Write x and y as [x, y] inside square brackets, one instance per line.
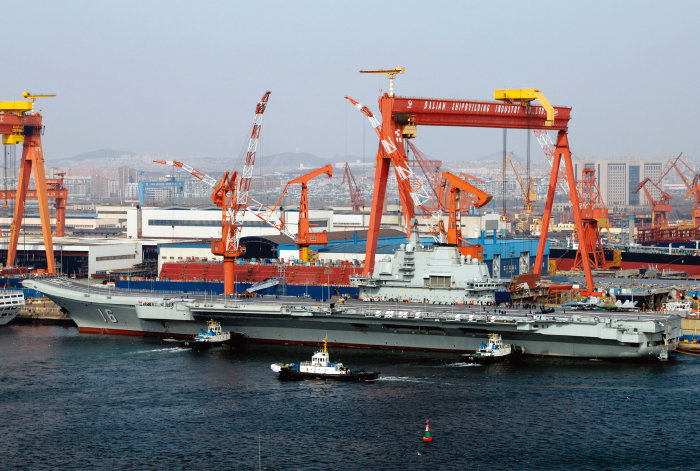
[206, 339]
[494, 351]
[320, 367]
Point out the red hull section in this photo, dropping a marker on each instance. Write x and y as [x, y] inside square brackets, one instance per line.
[255, 273]
[566, 264]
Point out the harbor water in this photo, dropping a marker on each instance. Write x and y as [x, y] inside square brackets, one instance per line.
[80, 401]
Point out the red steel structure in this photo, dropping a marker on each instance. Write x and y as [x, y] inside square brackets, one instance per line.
[468, 201]
[54, 190]
[431, 170]
[20, 123]
[401, 115]
[659, 208]
[355, 193]
[305, 237]
[457, 187]
[231, 193]
[593, 215]
[690, 184]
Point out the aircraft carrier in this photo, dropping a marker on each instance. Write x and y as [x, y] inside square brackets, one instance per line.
[382, 325]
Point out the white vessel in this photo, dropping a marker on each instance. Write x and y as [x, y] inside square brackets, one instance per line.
[11, 302]
[321, 367]
[493, 351]
[213, 336]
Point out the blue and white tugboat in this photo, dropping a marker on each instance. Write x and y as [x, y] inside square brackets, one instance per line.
[494, 351]
[213, 336]
[320, 367]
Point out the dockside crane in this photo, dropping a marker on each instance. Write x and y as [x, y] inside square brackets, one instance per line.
[660, 208]
[271, 215]
[454, 187]
[231, 194]
[513, 109]
[355, 192]
[306, 238]
[468, 201]
[20, 123]
[690, 185]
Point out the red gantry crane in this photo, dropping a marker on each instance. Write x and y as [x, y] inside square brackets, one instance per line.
[19, 123]
[402, 115]
[355, 193]
[594, 215]
[54, 190]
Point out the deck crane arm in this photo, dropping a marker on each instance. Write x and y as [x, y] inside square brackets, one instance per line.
[454, 229]
[305, 238]
[482, 198]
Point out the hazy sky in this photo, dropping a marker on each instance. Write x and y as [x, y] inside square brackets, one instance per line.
[182, 78]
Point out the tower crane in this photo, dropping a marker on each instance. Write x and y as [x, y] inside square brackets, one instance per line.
[231, 193]
[659, 208]
[454, 229]
[355, 193]
[19, 123]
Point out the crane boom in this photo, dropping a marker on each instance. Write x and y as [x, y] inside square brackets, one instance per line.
[659, 208]
[454, 230]
[260, 210]
[355, 192]
[412, 188]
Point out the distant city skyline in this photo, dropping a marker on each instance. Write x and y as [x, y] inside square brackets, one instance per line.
[182, 79]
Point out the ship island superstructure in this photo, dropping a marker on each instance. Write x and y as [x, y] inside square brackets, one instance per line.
[381, 325]
[438, 274]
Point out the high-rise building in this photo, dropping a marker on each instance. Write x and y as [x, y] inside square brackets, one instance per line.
[618, 179]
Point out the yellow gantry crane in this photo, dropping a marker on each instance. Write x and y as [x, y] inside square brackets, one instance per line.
[19, 123]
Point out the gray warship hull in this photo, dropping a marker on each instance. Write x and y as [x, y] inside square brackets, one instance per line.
[401, 326]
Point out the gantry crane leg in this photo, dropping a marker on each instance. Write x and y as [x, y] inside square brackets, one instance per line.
[32, 158]
[381, 174]
[562, 150]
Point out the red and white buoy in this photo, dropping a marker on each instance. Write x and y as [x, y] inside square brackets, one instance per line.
[427, 437]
